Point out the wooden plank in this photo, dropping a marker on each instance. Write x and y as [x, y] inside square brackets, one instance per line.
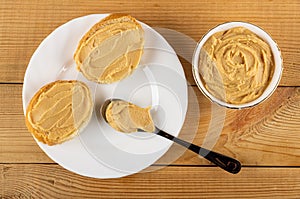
[1, 181]
[264, 135]
[272, 128]
[52, 181]
[16, 143]
[24, 24]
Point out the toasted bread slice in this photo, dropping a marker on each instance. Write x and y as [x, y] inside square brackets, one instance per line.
[58, 111]
[111, 49]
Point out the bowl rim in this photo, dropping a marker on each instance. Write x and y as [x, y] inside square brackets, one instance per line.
[278, 63]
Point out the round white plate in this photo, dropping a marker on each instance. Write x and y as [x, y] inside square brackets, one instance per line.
[99, 151]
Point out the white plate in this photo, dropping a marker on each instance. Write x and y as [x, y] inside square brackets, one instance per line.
[99, 151]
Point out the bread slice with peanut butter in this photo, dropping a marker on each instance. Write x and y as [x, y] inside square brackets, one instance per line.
[58, 111]
[111, 50]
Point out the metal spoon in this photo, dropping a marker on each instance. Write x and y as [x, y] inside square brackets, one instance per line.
[227, 163]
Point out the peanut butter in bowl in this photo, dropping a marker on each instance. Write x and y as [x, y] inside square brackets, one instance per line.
[237, 65]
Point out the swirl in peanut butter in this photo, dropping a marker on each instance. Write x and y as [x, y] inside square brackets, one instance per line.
[236, 65]
[115, 57]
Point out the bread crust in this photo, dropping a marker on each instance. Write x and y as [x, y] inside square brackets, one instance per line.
[42, 136]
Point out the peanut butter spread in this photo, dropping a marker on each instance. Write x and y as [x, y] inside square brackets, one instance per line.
[112, 51]
[59, 110]
[127, 117]
[236, 65]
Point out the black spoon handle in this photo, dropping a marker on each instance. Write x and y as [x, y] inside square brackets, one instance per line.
[228, 164]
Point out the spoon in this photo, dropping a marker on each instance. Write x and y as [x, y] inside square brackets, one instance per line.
[227, 163]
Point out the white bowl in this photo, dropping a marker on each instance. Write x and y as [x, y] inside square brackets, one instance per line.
[262, 34]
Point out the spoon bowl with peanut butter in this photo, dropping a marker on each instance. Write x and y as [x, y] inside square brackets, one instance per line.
[126, 117]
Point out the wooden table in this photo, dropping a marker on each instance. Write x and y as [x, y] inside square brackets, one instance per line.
[266, 138]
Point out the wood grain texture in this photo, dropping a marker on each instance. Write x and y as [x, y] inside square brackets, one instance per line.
[24, 24]
[267, 134]
[51, 181]
[16, 143]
